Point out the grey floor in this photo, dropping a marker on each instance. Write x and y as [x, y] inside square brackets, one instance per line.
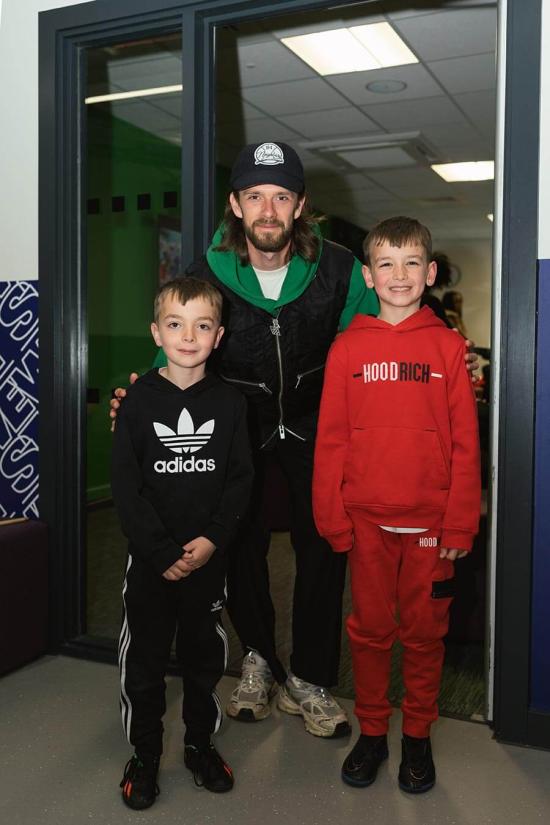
[62, 753]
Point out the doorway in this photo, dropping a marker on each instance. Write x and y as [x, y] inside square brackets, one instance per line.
[370, 140]
[63, 234]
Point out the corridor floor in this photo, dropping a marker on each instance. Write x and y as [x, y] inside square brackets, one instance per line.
[62, 753]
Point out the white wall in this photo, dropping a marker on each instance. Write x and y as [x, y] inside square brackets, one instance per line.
[19, 136]
[544, 167]
[474, 259]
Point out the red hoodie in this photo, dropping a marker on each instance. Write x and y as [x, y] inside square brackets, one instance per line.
[398, 433]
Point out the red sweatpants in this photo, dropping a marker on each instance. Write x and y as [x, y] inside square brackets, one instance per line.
[400, 589]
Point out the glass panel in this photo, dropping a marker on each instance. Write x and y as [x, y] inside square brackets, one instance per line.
[133, 125]
[367, 138]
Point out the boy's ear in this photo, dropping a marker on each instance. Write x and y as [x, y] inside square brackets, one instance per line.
[432, 273]
[367, 276]
[155, 334]
[219, 334]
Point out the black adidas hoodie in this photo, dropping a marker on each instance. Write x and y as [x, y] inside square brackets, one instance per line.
[181, 466]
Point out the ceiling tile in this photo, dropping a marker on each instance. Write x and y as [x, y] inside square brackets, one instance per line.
[295, 97]
[407, 115]
[479, 106]
[466, 74]
[340, 122]
[267, 129]
[341, 181]
[412, 182]
[418, 80]
[302, 27]
[449, 33]
[161, 70]
[378, 158]
[259, 64]
[230, 108]
[144, 116]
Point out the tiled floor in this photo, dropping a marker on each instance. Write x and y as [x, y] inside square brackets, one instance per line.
[62, 753]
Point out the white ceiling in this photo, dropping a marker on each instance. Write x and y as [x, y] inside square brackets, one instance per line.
[265, 92]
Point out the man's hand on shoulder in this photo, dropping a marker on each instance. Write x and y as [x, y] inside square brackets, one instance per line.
[472, 361]
[118, 396]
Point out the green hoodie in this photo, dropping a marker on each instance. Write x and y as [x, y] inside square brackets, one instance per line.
[243, 281]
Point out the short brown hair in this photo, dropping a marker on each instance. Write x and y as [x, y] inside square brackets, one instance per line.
[398, 231]
[186, 289]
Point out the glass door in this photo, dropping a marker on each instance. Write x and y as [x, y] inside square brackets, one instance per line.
[133, 117]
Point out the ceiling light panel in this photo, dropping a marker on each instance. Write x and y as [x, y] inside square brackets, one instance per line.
[359, 49]
[333, 52]
[469, 171]
[385, 45]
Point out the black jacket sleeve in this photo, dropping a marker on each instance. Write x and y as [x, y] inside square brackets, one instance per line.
[238, 484]
[140, 523]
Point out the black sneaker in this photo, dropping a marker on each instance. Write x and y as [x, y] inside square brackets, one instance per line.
[361, 764]
[417, 770]
[208, 768]
[139, 783]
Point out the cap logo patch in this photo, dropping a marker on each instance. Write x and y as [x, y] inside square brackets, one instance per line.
[268, 154]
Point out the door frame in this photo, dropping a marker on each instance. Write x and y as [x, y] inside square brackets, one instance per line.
[63, 34]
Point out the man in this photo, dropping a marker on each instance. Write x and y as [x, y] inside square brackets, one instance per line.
[287, 292]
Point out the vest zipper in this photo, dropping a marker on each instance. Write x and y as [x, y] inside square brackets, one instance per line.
[307, 372]
[275, 330]
[262, 386]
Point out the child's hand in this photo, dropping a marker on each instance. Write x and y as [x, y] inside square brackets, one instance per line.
[197, 552]
[179, 570]
[452, 553]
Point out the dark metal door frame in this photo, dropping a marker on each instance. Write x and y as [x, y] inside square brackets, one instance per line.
[63, 35]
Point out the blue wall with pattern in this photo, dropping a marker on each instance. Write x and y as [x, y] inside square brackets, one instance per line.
[19, 399]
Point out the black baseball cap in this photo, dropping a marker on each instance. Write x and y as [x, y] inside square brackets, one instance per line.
[268, 162]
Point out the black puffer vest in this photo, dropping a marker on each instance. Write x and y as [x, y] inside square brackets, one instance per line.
[278, 363]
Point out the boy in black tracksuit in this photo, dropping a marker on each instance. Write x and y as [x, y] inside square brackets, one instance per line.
[181, 478]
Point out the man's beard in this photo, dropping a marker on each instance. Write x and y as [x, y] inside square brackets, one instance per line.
[270, 241]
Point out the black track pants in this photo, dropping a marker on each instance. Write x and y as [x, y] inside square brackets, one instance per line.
[320, 576]
[153, 609]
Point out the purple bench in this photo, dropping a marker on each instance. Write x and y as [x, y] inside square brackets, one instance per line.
[23, 592]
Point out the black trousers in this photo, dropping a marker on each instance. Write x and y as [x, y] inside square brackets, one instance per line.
[320, 576]
[153, 609]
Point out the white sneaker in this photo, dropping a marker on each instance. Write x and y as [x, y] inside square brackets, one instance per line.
[322, 714]
[250, 700]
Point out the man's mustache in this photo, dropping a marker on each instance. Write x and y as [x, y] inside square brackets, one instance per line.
[264, 222]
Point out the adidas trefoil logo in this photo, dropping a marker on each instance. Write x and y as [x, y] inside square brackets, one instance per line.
[217, 605]
[185, 440]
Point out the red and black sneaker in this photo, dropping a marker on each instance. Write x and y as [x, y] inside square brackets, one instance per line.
[139, 783]
[208, 768]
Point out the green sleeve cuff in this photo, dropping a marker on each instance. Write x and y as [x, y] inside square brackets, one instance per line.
[359, 300]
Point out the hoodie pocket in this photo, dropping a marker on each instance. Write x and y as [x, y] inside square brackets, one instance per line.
[395, 467]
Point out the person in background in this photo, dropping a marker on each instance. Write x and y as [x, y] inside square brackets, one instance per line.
[442, 281]
[452, 304]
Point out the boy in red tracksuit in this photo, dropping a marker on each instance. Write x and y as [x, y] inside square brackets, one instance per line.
[397, 484]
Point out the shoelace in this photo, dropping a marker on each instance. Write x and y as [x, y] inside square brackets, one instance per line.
[205, 756]
[252, 681]
[136, 772]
